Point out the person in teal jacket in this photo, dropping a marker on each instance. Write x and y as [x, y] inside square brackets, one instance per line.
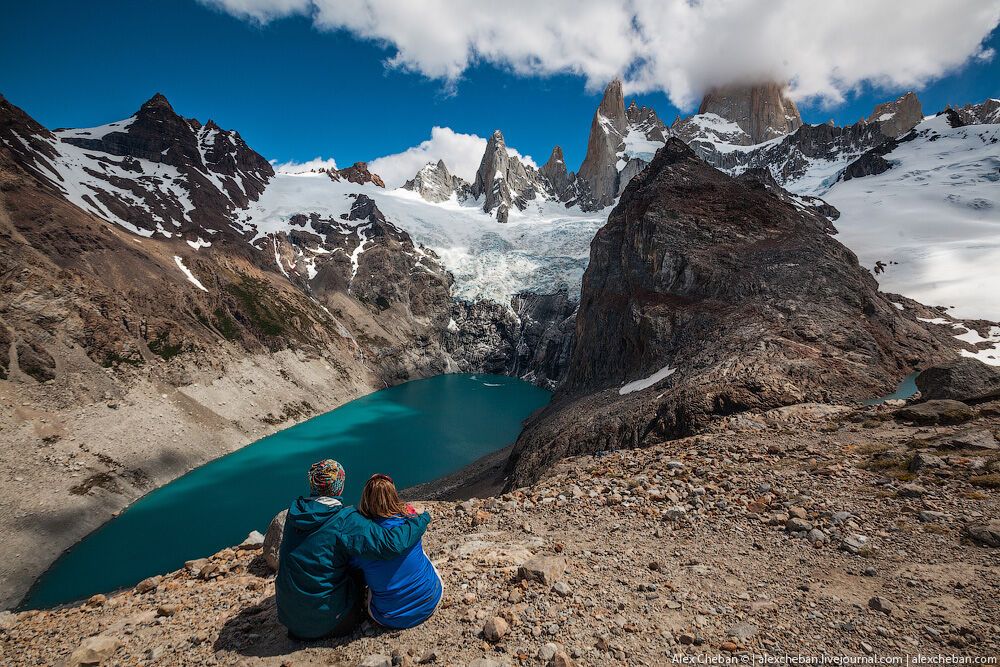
[316, 592]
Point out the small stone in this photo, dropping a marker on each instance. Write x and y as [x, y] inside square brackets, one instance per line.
[428, 656]
[167, 609]
[686, 638]
[376, 660]
[869, 571]
[93, 651]
[479, 518]
[798, 512]
[98, 600]
[147, 585]
[561, 659]
[728, 647]
[495, 629]
[794, 525]
[548, 651]
[562, 589]
[543, 569]
[881, 604]
[911, 491]
[816, 536]
[675, 513]
[516, 596]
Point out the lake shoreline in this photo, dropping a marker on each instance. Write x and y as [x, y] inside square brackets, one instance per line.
[393, 427]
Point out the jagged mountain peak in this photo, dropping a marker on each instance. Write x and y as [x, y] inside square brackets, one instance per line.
[612, 105]
[762, 110]
[157, 101]
[899, 116]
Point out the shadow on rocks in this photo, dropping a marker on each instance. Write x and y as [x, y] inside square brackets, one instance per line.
[256, 632]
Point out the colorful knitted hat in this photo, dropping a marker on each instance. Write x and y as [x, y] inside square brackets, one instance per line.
[326, 478]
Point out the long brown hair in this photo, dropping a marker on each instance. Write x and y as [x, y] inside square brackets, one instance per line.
[380, 500]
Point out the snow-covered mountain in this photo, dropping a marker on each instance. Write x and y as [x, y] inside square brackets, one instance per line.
[518, 230]
[929, 224]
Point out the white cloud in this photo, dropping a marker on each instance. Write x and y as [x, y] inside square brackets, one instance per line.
[314, 164]
[678, 46]
[462, 154]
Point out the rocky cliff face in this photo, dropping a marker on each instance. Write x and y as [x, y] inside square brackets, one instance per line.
[707, 296]
[898, 117]
[761, 110]
[598, 174]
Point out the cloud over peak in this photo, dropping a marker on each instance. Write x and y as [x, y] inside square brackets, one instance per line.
[681, 47]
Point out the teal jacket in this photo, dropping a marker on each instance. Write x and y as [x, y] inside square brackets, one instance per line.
[314, 589]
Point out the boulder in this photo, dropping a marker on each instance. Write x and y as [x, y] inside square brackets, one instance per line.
[969, 438]
[942, 411]
[272, 540]
[93, 651]
[882, 605]
[495, 629]
[543, 569]
[149, 584]
[965, 379]
[984, 534]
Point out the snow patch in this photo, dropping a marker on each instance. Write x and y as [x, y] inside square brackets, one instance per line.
[187, 272]
[646, 383]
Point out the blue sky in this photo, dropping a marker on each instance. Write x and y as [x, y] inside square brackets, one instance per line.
[295, 93]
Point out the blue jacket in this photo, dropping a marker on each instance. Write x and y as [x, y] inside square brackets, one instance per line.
[314, 589]
[406, 589]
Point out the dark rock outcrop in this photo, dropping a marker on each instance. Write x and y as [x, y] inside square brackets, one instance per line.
[357, 173]
[704, 297]
[966, 379]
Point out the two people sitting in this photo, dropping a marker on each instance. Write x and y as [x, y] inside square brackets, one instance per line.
[330, 552]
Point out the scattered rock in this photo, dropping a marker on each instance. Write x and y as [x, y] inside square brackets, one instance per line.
[911, 491]
[798, 526]
[881, 604]
[272, 540]
[969, 438]
[428, 656]
[543, 569]
[561, 659]
[147, 585]
[98, 600]
[167, 609]
[93, 651]
[562, 589]
[495, 629]
[479, 518]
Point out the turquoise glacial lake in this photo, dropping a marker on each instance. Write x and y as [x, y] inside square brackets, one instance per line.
[414, 432]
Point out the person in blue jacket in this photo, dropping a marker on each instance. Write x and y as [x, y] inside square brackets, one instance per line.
[403, 591]
[316, 593]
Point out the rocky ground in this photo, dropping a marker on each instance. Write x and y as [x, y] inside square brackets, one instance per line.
[811, 529]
